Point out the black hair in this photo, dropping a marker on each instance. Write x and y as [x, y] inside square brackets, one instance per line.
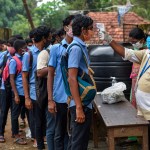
[18, 36]
[41, 32]
[137, 33]
[79, 22]
[56, 34]
[3, 42]
[53, 30]
[68, 20]
[28, 40]
[60, 32]
[32, 33]
[11, 41]
[18, 44]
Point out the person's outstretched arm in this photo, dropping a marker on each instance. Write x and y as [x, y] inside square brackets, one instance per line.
[117, 47]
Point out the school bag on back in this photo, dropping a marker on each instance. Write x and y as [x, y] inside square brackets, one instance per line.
[41, 89]
[6, 72]
[86, 83]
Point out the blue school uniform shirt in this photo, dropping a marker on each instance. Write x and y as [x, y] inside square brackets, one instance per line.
[0, 53]
[56, 51]
[25, 68]
[18, 77]
[1, 63]
[76, 59]
[2, 57]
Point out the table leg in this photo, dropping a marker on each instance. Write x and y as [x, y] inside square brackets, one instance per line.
[111, 140]
[95, 131]
[145, 138]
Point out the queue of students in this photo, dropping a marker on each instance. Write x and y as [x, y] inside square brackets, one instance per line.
[39, 85]
[36, 82]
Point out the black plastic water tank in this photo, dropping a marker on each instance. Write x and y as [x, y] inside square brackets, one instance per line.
[106, 63]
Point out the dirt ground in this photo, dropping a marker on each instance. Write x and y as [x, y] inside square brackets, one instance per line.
[10, 145]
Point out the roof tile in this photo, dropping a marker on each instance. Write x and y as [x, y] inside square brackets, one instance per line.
[110, 20]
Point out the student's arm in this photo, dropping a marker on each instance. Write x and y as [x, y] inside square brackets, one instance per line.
[25, 80]
[42, 72]
[12, 72]
[28, 102]
[50, 80]
[13, 85]
[75, 56]
[73, 83]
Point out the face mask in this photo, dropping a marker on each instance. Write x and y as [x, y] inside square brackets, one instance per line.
[29, 47]
[137, 45]
[69, 32]
[11, 50]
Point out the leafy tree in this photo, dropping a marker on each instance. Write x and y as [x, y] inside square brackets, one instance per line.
[51, 13]
[12, 15]
[9, 11]
[142, 8]
[87, 4]
[21, 26]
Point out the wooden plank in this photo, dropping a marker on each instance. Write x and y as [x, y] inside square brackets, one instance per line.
[118, 114]
[145, 139]
[94, 126]
[111, 139]
[128, 131]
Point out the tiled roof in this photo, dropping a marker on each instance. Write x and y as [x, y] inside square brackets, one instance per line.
[110, 20]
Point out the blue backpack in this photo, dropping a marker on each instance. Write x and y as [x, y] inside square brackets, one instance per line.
[87, 87]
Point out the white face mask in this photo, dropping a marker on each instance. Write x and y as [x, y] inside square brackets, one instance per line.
[137, 45]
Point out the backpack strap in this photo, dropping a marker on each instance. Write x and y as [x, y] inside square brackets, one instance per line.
[19, 64]
[85, 59]
[48, 50]
[64, 45]
[30, 63]
[30, 60]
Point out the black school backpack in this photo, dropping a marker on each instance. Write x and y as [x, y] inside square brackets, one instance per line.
[41, 89]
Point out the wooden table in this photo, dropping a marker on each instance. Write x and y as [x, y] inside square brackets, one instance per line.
[121, 120]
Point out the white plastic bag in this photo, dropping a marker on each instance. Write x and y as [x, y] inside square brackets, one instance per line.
[114, 93]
